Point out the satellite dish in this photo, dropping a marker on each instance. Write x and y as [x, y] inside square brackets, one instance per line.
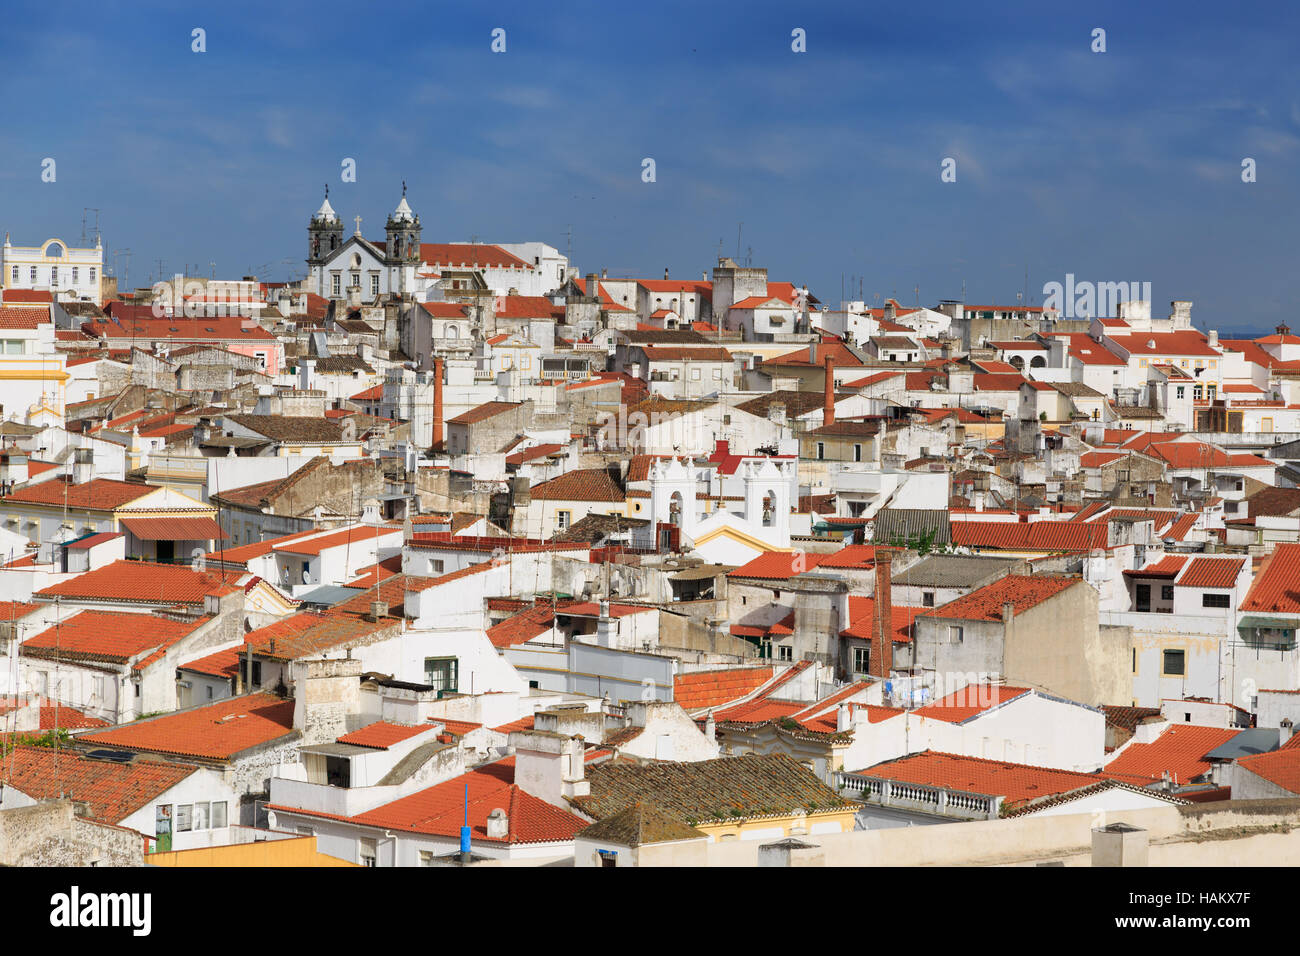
[306, 576]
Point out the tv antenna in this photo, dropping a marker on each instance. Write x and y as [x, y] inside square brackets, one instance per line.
[124, 253]
[84, 210]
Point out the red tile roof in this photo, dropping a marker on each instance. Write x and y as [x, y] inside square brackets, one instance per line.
[113, 791]
[701, 689]
[175, 529]
[454, 254]
[482, 413]
[862, 611]
[247, 552]
[12, 610]
[972, 700]
[1183, 342]
[536, 451]
[1015, 783]
[758, 711]
[109, 637]
[59, 717]
[528, 307]
[1087, 350]
[221, 664]
[522, 627]
[685, 353]
[1212, 573]
[778, 565]
[1281, 767]
[852, 556]
[1180, 751]
[1030, 536]
[216, 732]
[1274, 587]
[98, 494]
[381, 735]
[1022, 591]
[837, 352]
[523, 723]
[582, 484]
[138, 323]
[306, 634]
[337, 539]
[1166, 567]
[441, 810]
[144, 582]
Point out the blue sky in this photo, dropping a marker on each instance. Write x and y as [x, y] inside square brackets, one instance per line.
[1115, 166]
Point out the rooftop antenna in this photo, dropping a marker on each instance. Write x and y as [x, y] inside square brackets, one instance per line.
[568, 243]
[127, 254]
[739, 227]
[84, 210]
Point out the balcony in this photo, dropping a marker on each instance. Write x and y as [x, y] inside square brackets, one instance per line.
[901, 795]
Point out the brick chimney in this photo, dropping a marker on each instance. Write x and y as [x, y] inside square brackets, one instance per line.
[882, 624]
[437, 401]
[828, 412]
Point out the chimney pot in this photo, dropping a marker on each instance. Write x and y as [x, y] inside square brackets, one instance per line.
[498, 824]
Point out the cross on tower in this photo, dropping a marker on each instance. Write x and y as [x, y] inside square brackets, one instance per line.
[403, 188]
[327, 190]
[358, 218]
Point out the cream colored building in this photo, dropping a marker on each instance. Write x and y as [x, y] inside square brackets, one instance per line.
[68, 273]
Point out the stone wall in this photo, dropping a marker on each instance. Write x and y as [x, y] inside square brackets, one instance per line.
[51, 833]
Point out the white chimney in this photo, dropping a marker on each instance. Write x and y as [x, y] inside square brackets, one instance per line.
[498, 825]
[842, 719]
[1284, 731]
[710, 727]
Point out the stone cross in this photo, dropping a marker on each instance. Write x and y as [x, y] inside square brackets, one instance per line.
[358, 225]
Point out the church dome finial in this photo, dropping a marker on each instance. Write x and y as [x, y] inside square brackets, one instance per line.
[326, 211]
[403, 212]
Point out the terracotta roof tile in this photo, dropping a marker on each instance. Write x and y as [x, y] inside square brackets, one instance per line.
[1016, 783]
[985, 604]
[972, 700]
[1281, 767]
[109, 637]
[219, 731]
[143, 582]
[483, 413]
[583, 484]
[1211, 573]
[306, 634]
[1274, 587]
[381, 734]
[98, 494]
[700, 689]
[1179, 751]
[113, 791]
[441, 810]
[778, 565]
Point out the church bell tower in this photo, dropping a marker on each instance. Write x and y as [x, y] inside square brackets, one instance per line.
[324, 233]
